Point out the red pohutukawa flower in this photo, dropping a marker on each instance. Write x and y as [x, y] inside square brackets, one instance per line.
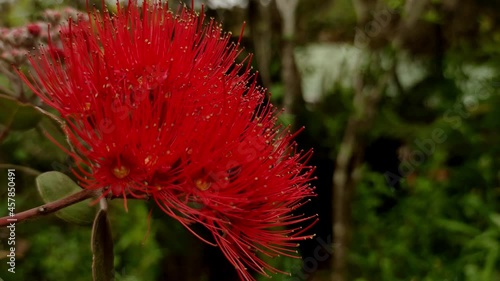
[155, 105]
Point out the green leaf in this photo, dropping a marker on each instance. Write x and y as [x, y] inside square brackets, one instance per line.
[55, 185]
[457, 227]
[18, 116]
[432, 16]
[102, 248]
[495, 218]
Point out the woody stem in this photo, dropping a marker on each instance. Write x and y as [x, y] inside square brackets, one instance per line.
[49, 207]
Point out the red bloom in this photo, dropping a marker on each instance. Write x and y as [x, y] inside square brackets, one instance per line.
[34, 29]
[154, 104]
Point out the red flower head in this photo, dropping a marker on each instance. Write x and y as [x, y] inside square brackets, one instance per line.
[155, 104]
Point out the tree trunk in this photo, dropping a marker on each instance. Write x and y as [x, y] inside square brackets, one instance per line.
[292, 96]
[347, 170]
[261, 29]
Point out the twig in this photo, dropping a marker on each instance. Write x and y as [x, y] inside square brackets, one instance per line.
[10, 75]
[4, 133]
[25, 169]
[49, 207]
[7, 92]
[103, 204]
[22, 95]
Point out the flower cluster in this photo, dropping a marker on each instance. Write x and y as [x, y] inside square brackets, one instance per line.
[16, 42]
[156, 105]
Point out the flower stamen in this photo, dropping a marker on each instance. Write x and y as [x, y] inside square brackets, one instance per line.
[202, 184]
[121, 171]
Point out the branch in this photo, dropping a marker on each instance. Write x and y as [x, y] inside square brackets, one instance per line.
[364, 9]
[63, 203]
[413, 11]
[10, 75]
[287, 9]
[346, 174]
[4, 133]
[49, 207]
[25, 169]
[6, 91]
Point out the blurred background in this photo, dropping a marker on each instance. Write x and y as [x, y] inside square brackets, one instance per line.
[398, 99]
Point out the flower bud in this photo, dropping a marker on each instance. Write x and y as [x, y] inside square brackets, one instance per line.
[34, 29]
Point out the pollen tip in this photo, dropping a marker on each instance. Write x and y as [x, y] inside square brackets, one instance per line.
[121, 171]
